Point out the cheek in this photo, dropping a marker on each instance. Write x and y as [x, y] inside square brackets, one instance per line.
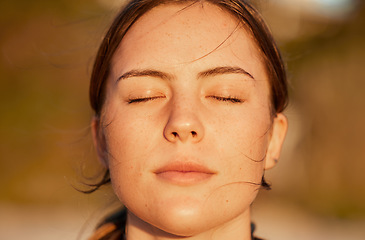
[125, 164]
[127, 134]
[131, 140]
[124, 148]
[243, 145]
[245, 133]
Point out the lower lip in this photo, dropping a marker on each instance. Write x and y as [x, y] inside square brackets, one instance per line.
[184, 178]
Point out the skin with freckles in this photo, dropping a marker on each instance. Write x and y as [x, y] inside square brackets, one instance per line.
[187, 124]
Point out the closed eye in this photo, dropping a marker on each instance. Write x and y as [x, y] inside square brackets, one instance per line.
[143, 99]
[227, 99]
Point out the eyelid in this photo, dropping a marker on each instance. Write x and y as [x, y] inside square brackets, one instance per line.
[232, 99]
[131, 100]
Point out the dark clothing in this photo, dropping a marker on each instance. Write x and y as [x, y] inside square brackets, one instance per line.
[113, 228]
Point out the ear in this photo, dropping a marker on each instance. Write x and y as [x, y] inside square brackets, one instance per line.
[278, 133]
[99, 140]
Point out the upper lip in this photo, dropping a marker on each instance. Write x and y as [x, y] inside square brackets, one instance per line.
[184, 167]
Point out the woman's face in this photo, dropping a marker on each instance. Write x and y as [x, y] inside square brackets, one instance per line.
[186, 120]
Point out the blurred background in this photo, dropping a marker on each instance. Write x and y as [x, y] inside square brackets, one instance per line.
[46, 54]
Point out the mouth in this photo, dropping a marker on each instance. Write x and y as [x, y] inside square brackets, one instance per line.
[184, 173]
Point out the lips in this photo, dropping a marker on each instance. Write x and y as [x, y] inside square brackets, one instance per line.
[184, 173]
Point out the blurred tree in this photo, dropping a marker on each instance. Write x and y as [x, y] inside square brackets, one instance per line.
[327, 74]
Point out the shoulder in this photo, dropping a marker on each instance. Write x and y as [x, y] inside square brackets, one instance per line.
[253, 227]
[112, 227]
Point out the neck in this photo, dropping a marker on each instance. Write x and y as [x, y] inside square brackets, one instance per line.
[238, 228]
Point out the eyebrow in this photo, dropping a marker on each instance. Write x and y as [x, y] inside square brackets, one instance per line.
[224, 70]
[166, 76]
[145, 73]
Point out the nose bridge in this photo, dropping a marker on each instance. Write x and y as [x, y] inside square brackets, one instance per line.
[184, 123]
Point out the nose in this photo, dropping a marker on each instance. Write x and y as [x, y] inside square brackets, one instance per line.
[184, 125]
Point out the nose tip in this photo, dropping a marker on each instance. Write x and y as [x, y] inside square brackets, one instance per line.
[184, 127]
[183, 136]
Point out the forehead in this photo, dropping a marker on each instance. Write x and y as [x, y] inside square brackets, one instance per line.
[173, 35]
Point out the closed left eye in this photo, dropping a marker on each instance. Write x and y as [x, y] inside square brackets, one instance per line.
[227, 99]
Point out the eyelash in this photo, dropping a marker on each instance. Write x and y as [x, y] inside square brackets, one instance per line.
[142, 99]
[227, 99]
[223, 99]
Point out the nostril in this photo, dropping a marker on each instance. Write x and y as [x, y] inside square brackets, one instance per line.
[193, 133]
[175, 134]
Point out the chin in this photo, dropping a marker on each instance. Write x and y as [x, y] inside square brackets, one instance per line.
[189, 211]
[186, 218]
[185, 226]
[173, 218]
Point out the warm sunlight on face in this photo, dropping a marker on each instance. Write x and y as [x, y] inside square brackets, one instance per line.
[187, 120]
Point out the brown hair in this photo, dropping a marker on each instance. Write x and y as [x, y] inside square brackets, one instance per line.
[241, 9]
